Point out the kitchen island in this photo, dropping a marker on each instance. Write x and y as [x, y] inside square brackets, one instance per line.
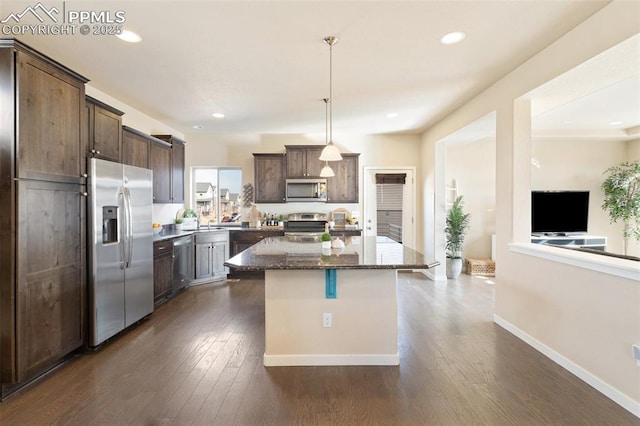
[330, 306]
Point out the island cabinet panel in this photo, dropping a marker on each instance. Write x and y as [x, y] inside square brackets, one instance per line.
[160, 163]
[162, 270]
[51, 277]
[177, 167]
[269, 173]
[104, 125]
[50, 121]
[135, 148]
[343, 187]
[303, 161]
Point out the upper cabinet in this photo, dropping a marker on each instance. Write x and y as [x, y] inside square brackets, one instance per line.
[160, 163]
[104, 124]
[50, 111]
[135, 147]
[269, 173]
[303, 161]
[343, 187]
[177, 167]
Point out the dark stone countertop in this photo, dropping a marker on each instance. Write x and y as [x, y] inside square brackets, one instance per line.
[358, 253]
[168, 232]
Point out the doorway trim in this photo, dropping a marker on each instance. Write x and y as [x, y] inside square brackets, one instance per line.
[409, 203]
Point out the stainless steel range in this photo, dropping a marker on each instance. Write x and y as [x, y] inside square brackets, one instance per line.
[305, 226]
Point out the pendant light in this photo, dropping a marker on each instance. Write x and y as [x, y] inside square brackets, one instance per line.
[330, 151]
[326, 171]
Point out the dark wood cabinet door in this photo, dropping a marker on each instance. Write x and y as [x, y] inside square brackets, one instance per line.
[51, 111]
[177, 172]
[296, 163]
[162, 270]
[269, 170]
[106, 134]
[135, 148]
[204, 261]
[160, 163]
[51, 278]
[314, 165]
[343, 187]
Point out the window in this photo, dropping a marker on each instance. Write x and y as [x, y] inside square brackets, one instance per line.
[216, 194]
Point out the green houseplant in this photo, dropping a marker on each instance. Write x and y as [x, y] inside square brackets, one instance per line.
[326, 240]
[457, 224]
[621, 190]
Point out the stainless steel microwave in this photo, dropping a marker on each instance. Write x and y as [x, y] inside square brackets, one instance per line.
[306, 190]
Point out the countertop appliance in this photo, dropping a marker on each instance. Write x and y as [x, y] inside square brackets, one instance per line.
[305, 226]
[121, 248]
[306, 190]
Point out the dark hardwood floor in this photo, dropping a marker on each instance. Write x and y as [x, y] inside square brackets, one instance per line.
[198, 360]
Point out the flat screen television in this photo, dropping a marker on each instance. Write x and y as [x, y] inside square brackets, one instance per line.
[559, 212]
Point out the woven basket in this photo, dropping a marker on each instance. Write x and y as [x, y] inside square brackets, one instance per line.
[486, 267]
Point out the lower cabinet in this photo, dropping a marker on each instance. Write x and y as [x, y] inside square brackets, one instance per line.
[242, 240]
[162, 270]
[212, 250]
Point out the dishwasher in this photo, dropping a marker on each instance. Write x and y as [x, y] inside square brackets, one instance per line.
[182, 263]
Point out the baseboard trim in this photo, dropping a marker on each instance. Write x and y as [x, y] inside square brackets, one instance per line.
[327, 360]
[433, 276]
[601, 386]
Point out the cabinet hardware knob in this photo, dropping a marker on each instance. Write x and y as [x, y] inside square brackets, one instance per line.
[84, 175]
[93, 151]
[98, 152]
[84, 194]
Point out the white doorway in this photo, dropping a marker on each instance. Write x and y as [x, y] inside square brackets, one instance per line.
[371, 193]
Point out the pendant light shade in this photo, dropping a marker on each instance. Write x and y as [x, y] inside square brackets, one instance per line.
[327, 171]
[330, 152]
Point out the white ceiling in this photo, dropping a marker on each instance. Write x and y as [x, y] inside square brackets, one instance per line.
[264, 65]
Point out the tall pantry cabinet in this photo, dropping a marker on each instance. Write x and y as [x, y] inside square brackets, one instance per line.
[43, 223]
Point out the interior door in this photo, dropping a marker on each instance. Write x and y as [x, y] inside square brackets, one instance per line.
[369, 222]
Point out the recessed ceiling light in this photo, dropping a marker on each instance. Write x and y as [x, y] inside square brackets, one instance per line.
[198, 126]
[453, 38]
[218, 115]
[129, 36]
[392, 115]
[615, 123]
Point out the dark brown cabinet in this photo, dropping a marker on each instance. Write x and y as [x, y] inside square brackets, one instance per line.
[43, 144]
[162, 270]
[177, 167]
[135, 147]
[343, 187]
[104, 124]
[49, 117]
[51, 274]
[269, 174]
[303, 161]
[160, 163]
[242, 240]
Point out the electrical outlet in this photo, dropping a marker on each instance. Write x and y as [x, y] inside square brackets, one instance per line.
[326, 320]
[636, 353]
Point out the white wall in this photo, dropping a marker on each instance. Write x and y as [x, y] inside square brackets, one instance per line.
[588, 318]
[473, 166]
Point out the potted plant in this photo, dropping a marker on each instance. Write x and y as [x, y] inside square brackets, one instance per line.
[326, 240]
[622, 198]
[457, 224]
[178, 222]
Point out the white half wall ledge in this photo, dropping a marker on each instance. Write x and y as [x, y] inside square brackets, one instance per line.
[601, 386]
[623, 268]
[330, 360]
[433, 276]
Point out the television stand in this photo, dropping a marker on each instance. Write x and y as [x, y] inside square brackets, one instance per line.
[577, 240]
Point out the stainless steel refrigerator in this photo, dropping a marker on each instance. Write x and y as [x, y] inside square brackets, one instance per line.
[121, 247]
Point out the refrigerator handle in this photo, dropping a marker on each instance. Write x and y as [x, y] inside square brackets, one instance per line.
[130, 226]
[122, 228]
